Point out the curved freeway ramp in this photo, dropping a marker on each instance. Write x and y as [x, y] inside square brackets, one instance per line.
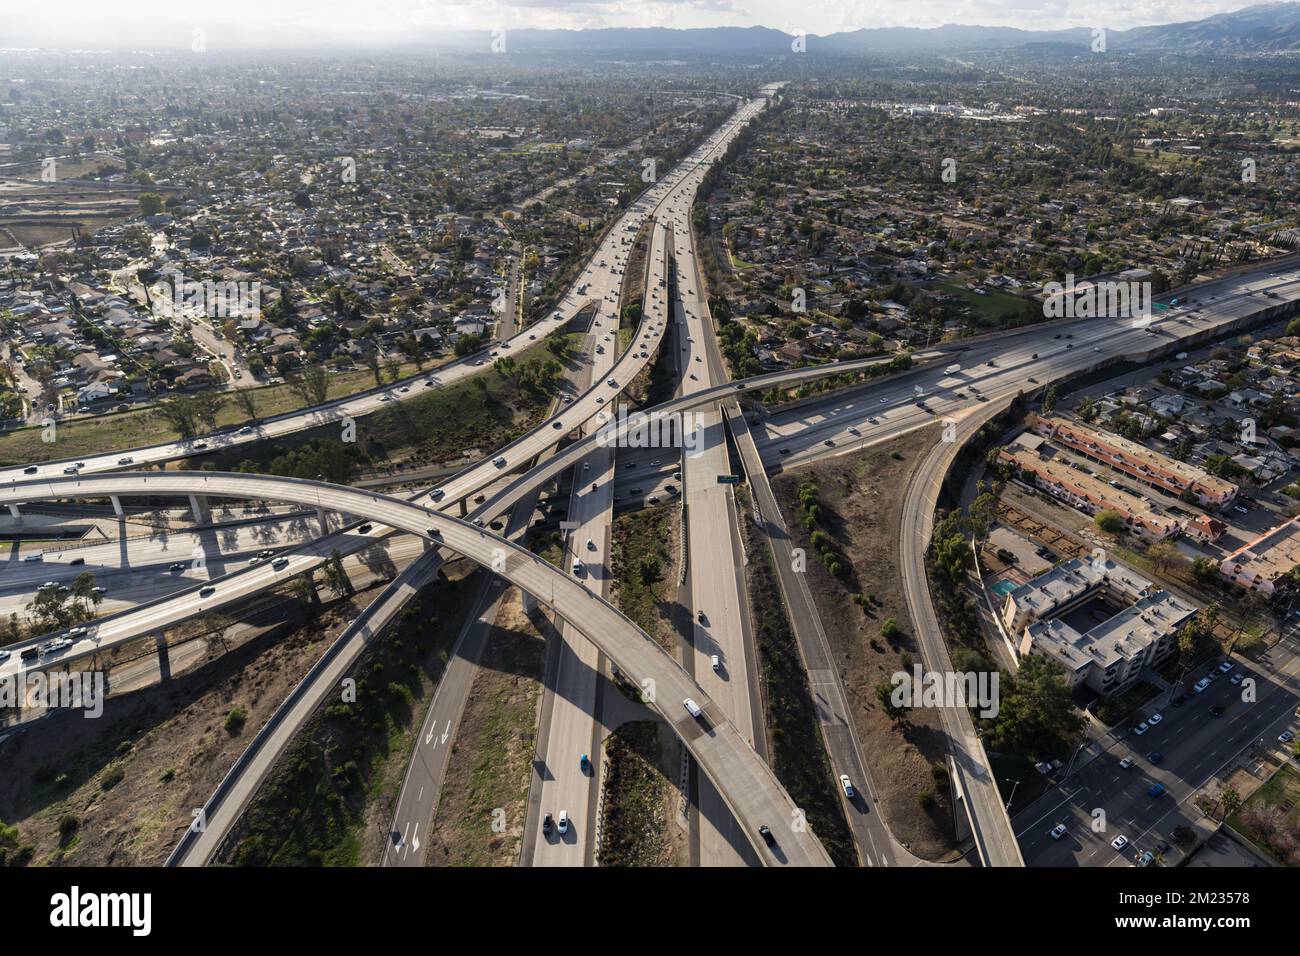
[747, 785]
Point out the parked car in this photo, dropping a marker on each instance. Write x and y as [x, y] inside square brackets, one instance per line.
[1058, 831]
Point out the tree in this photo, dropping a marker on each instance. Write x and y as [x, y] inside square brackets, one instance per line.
[151, 204]
[1205, 569]
[207, 406]
[246, 399]
[316, 384]
[1049, 401]
[1109, 521]
[1163, 556]
[885, 695]
[468, 344]
[1036, 715]
[179, 413]
[371, 359]
[336, 577]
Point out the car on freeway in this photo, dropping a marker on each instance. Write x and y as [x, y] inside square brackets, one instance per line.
[1126, 763]
[70, 470]
[1058, 831]
[563, 824]
[548, 824]
[207, 591]
[280, 563]
[1156, 789]
[1119, 842]
[176, 566]
[1226, 666]
[30, 470]
[4, 656]
[1201, 685]
[365, 527]
[1155, 719]
[34, 557]
[847, 786]
[1146, 859]
[1285, 737]
[766, 834]
[692, 708]
[1216, 710]
[127, 460]
[1140, 729]
[1155, 756]
[1236, 679]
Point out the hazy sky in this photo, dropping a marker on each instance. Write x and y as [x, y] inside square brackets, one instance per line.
[117, 23]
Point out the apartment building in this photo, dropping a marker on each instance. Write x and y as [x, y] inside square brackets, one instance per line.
[1137, 461]
[1032, 457]
[1261, 565]
[1110, 655]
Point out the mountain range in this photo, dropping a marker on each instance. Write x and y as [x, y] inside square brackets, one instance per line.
[1262, 28]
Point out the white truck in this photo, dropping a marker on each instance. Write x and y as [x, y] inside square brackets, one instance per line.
[952, 369]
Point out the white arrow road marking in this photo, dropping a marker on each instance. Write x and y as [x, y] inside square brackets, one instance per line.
[446, 732]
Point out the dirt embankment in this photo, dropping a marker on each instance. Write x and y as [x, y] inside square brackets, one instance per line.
[859, 511]
[119, 790]
[482, 809]
[640, 801]
[644, 567]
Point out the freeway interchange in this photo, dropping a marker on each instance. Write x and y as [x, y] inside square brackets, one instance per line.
[737, 792]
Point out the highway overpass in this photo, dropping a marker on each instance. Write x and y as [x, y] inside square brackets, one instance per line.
[747, 785]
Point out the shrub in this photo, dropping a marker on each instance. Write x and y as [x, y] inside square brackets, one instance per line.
[112, 777]
[235, 720]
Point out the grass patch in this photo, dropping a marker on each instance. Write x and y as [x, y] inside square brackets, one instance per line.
[1270, 818]
[644, 570]
[312, 810]
[799, 756]
[138, 427]
[635, 797]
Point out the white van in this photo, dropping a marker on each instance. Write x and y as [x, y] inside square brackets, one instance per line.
[692, 708]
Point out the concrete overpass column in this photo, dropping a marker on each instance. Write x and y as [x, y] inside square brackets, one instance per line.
[324, 518]
[15, 514]
[199, 509]
[117, 506]
[164, 662]
[464, 508]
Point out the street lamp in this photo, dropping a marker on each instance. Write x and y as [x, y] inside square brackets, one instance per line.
[1014, 783]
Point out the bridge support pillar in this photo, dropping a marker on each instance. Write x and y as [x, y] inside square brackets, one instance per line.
[199, 509]
[464, 508]
[117, 506]
[15, 514]
[323, 517]
[164, 662]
